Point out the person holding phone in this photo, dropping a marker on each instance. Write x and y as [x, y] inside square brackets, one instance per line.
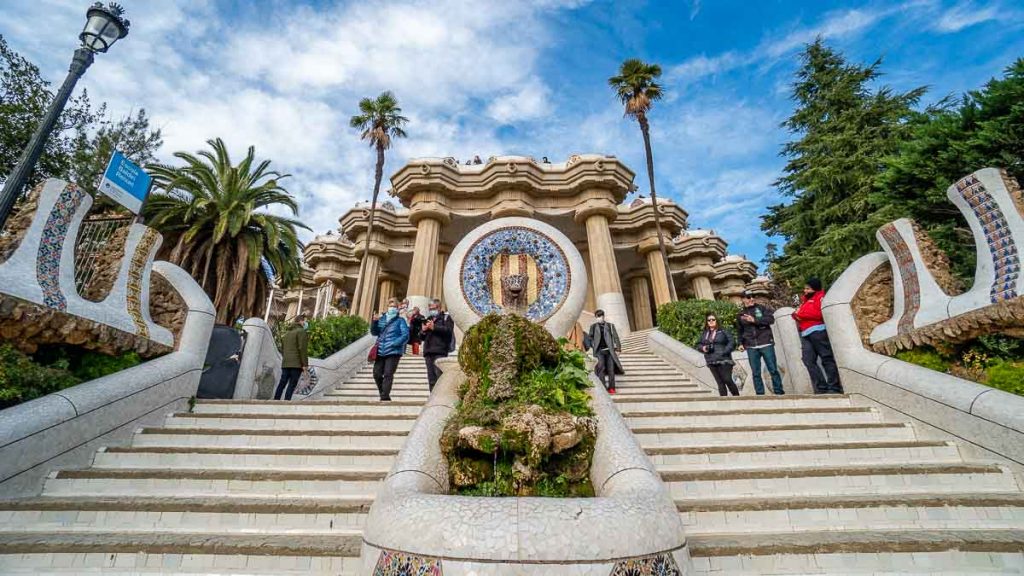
[436, 333]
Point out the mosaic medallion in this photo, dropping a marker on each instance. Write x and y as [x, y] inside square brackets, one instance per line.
[658, 565]
[515, 269]
[391, 563]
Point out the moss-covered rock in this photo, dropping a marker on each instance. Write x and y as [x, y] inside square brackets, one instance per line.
[523, 426]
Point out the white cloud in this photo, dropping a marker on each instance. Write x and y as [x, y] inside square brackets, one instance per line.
[529, 101]
[964, 15]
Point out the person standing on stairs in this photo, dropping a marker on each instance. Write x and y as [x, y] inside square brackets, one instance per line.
[814, 342]
[754, 323]
[436, 334]
[604, 339]
[415, 327]
[294, 360]
[392, 332]
[717, 345]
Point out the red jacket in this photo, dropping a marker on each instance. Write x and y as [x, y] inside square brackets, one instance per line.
[809, 313]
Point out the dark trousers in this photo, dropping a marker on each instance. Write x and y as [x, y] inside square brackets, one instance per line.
[384, 374]
[723, 376]
[816, 346]
[755, 355]
[605, 368]
[433, 372]
[289, 380]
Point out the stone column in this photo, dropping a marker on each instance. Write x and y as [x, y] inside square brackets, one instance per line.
[422, 273]
[702, 288]
[437, 290]
[604, 269]
[590, 304]
[367, 287]
[642, 313]
[656, 268]
[387, 291]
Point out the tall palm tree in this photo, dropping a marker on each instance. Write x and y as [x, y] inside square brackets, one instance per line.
[637, 88]
[380, 120]
[209, 211]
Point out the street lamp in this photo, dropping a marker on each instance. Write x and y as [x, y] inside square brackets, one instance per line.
[104, 25]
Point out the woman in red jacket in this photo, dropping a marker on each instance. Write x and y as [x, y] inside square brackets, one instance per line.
[814, 341]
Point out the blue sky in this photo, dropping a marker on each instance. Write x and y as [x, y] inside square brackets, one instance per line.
[510, 77]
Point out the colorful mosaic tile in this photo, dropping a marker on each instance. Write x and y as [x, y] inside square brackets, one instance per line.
[51, 244]
[135, 269]
[908, 275]
[391, 563]
[659, 565]
[1005, 257]
[550, 262]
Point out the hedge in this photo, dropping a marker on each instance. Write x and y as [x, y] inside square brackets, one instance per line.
[684, 320]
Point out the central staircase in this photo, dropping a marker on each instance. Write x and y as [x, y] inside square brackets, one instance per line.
[232, 487]
[816, 484]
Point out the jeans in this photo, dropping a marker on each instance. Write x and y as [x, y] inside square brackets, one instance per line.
[755, 355]
[384, 374]
[605, 368]
[290, 379]
[723, 376]
[816, 346]
[433, 372]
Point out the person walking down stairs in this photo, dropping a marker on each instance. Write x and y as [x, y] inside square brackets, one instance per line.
[436, 334]
[604, 340]
[294, 359]
[717, 345]
[392, 332]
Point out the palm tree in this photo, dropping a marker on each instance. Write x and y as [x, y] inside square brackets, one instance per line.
[209, 211]
[637, 88]
[380, 120]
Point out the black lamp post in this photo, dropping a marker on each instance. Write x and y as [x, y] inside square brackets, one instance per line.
[104, 25]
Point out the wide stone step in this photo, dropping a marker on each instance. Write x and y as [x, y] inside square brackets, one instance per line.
[914, 478]
[628, 388]
[211, 482]
[800, 454]
[760, 418]
[876, 552]
[696, 391]
[311, 459]
[374, 410]
[305, 422]
[214, 438]
[716, 402]
[347, 404]
[783, 435]
[358, 395]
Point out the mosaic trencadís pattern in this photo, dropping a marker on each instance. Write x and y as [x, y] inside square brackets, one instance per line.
[658, 565]
[547, 257]
[908, 276]
[1000, 242]
[51, 244]
[391, 563]
[135, 269]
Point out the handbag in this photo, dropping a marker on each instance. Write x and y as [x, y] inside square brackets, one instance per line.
[372, 355]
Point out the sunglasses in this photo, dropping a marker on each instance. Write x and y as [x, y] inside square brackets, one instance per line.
[712, 319]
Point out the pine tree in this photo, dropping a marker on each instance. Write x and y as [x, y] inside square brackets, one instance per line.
[844, 130]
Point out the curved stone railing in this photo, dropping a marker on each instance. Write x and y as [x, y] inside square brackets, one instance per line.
[692, 362]
[632, 523]
[65, 428]
[261, 362]
[983, 416]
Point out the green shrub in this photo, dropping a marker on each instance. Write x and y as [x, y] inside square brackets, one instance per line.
[925, 357]
[331, 334]
[999, 346]
[92, 365]
[1007, 376]
[684, 320]
[22, 380]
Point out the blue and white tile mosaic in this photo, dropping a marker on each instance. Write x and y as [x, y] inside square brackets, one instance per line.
[659, 565]
[551, 263]
[998, 236]
[51, 244]
[391, 563]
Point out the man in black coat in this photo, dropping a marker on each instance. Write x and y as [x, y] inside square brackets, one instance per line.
[603, 339]
[436, 334]
[754, 325]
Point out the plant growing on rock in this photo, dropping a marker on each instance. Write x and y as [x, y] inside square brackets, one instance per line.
[523, 426]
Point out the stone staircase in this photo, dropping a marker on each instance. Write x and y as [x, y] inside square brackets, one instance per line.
[233, 487]
[816, 484]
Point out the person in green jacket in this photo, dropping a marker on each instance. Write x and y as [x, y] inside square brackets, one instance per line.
[294, 361]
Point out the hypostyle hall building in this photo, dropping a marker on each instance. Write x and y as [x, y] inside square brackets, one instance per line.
[442, 201]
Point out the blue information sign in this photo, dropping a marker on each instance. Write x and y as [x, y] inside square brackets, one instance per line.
[125, 182]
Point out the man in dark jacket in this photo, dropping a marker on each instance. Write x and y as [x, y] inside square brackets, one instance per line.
[436, 334]
[604, 341]
[294, 360]
[754, 325]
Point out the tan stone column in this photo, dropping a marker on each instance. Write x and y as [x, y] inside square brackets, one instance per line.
[642, 313]
[437, 290]
[604, 269]
[702, 288]
[387, 291]
[364, 300]
[656, 268]
[422, 273]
